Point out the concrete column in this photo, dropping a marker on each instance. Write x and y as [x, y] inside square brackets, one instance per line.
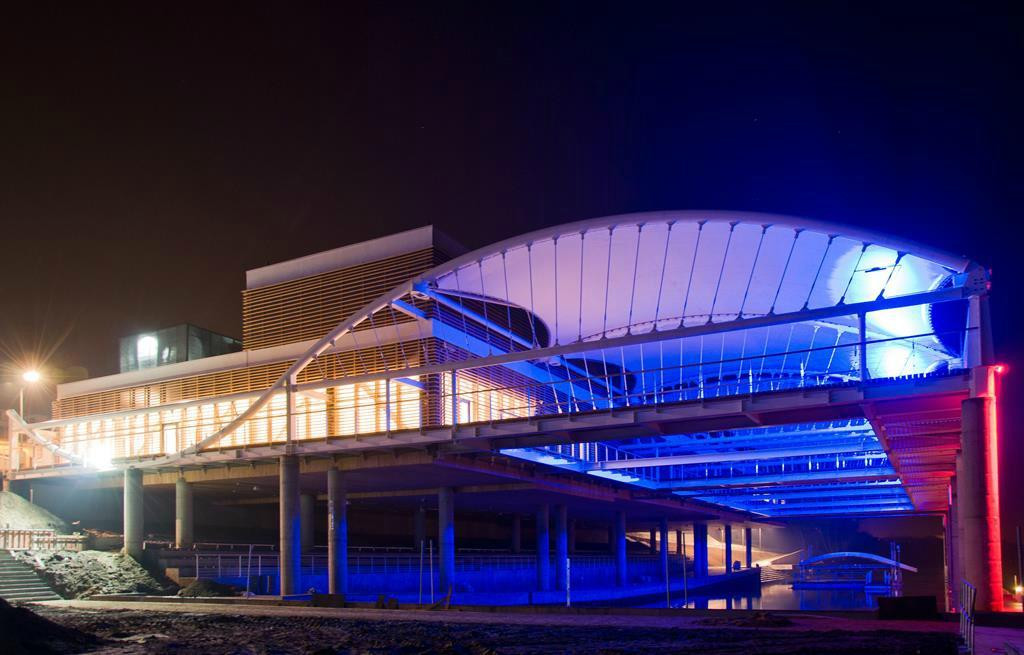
[446, 537]
[653, 534]
[337, 533]
[700, 550]
[184, 518]
[543, 549]
[290, 524]
[517, 533]
[561, 545]
[679, 543]
[978, 500]
[621, 578]
[727, 530]
[663, 546]
[419, 529]
[749, 545]
[307, 508]
[134, 531]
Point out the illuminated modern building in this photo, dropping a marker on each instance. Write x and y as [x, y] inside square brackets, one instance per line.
[660, 369]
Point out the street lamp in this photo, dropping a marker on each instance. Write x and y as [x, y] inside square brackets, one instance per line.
[30, 376]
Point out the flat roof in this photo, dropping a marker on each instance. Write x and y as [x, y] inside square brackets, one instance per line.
[353, 255]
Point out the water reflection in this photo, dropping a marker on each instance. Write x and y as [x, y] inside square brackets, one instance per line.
[784, 597]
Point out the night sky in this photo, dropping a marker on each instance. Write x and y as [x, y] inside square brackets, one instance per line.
[147, 159]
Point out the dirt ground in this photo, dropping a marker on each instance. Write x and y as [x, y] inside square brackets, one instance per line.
[220, 630]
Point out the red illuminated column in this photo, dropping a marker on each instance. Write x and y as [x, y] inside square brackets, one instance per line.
[978, 499]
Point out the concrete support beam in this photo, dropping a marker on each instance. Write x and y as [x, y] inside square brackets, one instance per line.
[561, 545]
[419, 529]
[307, 508]
[748, 543]
[978, 501]
[700, 550]
[727, 530]
[679, 543]
[517, 533]
[663, 545]
[653, 538]
[543, 549]
[184, 517]
[446, 537]
[134, 531]
[337, 534]
[290, 528]
[619, 543]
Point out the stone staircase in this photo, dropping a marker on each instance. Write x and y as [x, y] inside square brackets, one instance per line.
[20, 582]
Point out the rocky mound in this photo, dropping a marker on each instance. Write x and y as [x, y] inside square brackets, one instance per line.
[92, 572]
[207, 588]
[25, 633]
[755, 620]
[18, 513]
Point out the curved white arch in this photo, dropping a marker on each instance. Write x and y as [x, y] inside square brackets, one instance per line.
[871, 557]
[603, 230]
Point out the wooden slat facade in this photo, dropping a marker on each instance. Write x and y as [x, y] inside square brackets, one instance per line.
[309, 307]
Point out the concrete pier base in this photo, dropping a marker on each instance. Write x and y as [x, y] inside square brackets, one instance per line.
[337, 533]
[978, 502]
[543, 549]
[184, 518]
[700, 550]
[446, 537]
[134, 531]
[290, 524]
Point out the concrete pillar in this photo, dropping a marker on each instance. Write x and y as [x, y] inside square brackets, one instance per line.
[419, 529]
[749, 545]
[653, 540]
[337, 533]
[543, 549]
[727, 530]
[134, 530]
[663, 549]
[978, 500]
[517, 533]
[700, 550]
[679, 543]
[446, 537]
[307, 509]
[184, 517]
[290, 524]
[619, 542]
[561, 545]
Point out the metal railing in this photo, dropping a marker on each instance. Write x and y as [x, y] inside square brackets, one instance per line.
[968, 596]
[14, 539]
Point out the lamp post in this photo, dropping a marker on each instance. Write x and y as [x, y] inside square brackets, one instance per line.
[29, 377]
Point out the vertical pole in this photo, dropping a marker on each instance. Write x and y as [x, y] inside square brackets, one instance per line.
[652, 536]
[620, 549]
[664, 558]
[978, 497]
[561, 545]
[446, 536]
[455, 400]
[419, 527]
[862, 347]
[307, 505]
[572, 536]
[749, 546]
[133, 522]
[543, 549]
[337, 533]
[700, 550]
[727, 529]
[184, 518]
[679, 543]
[290, 530]
[686, 584]
[430, 565]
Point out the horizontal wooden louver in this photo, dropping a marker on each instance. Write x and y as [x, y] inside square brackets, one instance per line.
[309, 307]
[335, 365]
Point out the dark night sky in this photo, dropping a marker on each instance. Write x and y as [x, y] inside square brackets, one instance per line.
[147, 159]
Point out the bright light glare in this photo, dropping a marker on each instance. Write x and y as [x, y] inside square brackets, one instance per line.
[30, 376]
[1018, 589]
[145, 351]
